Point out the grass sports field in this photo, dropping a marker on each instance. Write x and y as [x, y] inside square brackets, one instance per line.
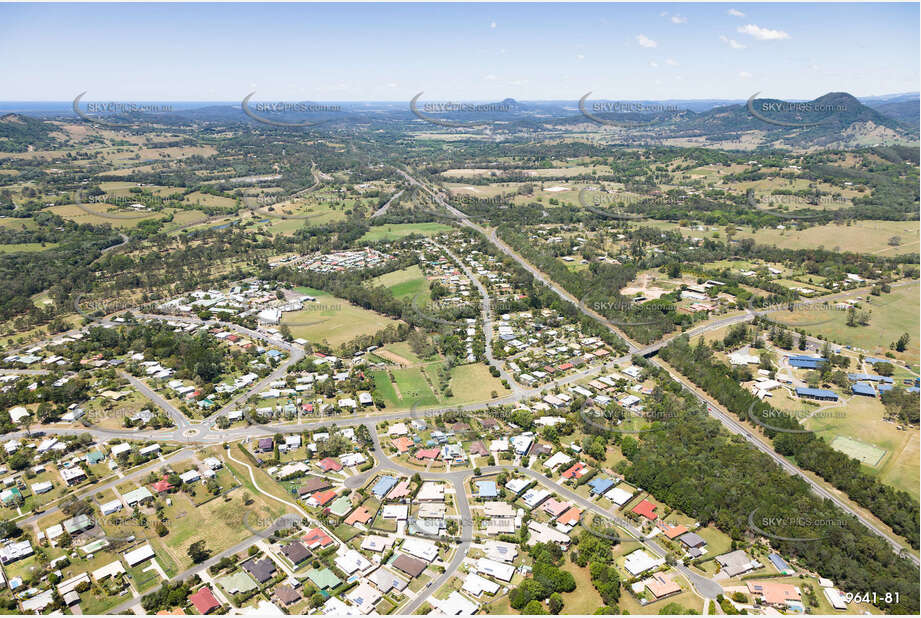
[399, 230]
[858, 429]
[418, 386]
[866, 453]
[333, 320]
[409, 282]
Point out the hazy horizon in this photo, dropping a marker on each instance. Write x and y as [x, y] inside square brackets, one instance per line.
[461, 52]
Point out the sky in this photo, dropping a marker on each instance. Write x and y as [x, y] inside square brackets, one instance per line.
[459, 52]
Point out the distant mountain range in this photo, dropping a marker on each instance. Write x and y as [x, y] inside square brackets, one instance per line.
[836, 119]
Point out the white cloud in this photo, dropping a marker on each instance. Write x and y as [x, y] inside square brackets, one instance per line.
[678, 19]
[735, 13]
[744, 74]
[763, 34]
[490, 77]
[654, 64]
[492, 24]
[580, 56]
[671, 62]
[731, 42]
[391, 85]
[645, 41]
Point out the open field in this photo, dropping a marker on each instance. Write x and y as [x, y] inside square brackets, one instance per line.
[892, 315]
[338, 322]
[27, 247]
[12, 223]
[585, 598]
[866, 453]
[409, 282]
[473, 383]
[402, 350]
[861, 236]
[121, 218]
[413, 386]
[861, 423]
[410, 388]
[396, 231]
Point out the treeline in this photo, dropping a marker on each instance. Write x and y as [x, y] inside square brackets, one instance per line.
[691, 463]
[598, 289]
[56, 269]
[894, 507]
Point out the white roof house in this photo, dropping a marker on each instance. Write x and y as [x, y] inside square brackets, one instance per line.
[424, 550]
[618, 496]
[542, 533]
[133, 497]
[139, 555]
[455, 605]
[18, 413]
[835, 598]
[557, 459]
[476, 585]
[639, 562]
[40, 488]
[113, 568]
[499, 445]
[110, 507]
[213, 463]
[395, 511]
[191, 476]
[352, 561]
[499, 570]
[118, 449]
[431, 490]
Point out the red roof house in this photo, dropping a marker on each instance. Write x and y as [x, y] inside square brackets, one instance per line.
[646, 509]
[554, 507]
[322, 497]
[361, 515]
[671, 531]
[576, 471]
[162, 485]
[330, 463]
[427, 453]
[402, 444]
[204, 601]
[570, 517]
[316, 538]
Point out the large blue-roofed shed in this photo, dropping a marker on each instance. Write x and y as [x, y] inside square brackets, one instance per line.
[816, 393]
